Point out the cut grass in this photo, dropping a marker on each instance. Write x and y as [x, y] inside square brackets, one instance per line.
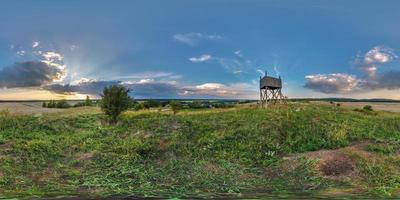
[213, 151]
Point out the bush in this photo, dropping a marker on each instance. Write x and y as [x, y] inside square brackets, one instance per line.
[51, 104]
[88, 102]
[63, 104]
[368, 108]
[56, 104]
[115, 100]
[175, 106]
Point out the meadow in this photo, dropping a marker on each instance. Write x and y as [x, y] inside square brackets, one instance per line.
[309, 149]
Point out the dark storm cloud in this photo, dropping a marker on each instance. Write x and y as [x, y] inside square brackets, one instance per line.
[344, 83]
[387, 80]
[154, 90]
[92, 87]
[331, 83]
[29, 74]
[138, 90]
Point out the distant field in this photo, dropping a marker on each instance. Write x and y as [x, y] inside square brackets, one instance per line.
[392, 107]
[26, 108]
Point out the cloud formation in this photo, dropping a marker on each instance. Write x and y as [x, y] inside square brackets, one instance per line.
[89, 87]
[29, 74]
[370, 61]
[331, 83]
[35, 44]
[339, 83]
[201, 58]
[194, 38]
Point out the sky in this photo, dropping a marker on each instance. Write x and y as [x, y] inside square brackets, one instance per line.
[199, 48]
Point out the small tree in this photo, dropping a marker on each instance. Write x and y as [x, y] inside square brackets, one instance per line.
[115, 100]
[44, 105]
[175, 106]
[51, 104]
[88, 102]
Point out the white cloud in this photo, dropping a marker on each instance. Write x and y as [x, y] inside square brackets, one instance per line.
[20, 53]
[210, 86]
[194, 38]
[238, 53]
[201, 58]
[35, 44]
[379, 54]
[262, 73]
[84, 80]
[52, 56]
[370, 61]
[148, 80]
[56, 60]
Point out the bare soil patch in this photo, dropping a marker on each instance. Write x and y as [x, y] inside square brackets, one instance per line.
[336, 164]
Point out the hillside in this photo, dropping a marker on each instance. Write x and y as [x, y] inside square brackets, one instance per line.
[295, 149]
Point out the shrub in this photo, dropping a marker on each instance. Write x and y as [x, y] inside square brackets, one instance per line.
[51, 104]
[56, 104]
[115, 100]
[368, 108]
[175, 106]
[88, 102]
[62, 104]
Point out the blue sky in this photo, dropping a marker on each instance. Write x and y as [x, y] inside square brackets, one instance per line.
[199, 49]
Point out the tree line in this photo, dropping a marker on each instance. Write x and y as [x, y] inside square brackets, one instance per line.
[115, 99]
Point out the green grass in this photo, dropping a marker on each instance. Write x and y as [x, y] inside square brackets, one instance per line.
[193, 153]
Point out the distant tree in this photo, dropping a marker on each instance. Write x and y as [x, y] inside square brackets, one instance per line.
[175, 106]
[51, 104]
[62, 104]
[88, 102]
[195, 104]
[152, 103]
[115, 100]
[146, 104]
[44, 105]
[368, 108]
[138, 106]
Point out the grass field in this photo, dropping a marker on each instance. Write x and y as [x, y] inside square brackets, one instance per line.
[295, 149]
[381, 106]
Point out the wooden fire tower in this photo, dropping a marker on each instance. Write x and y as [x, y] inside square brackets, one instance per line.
[270, 90]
